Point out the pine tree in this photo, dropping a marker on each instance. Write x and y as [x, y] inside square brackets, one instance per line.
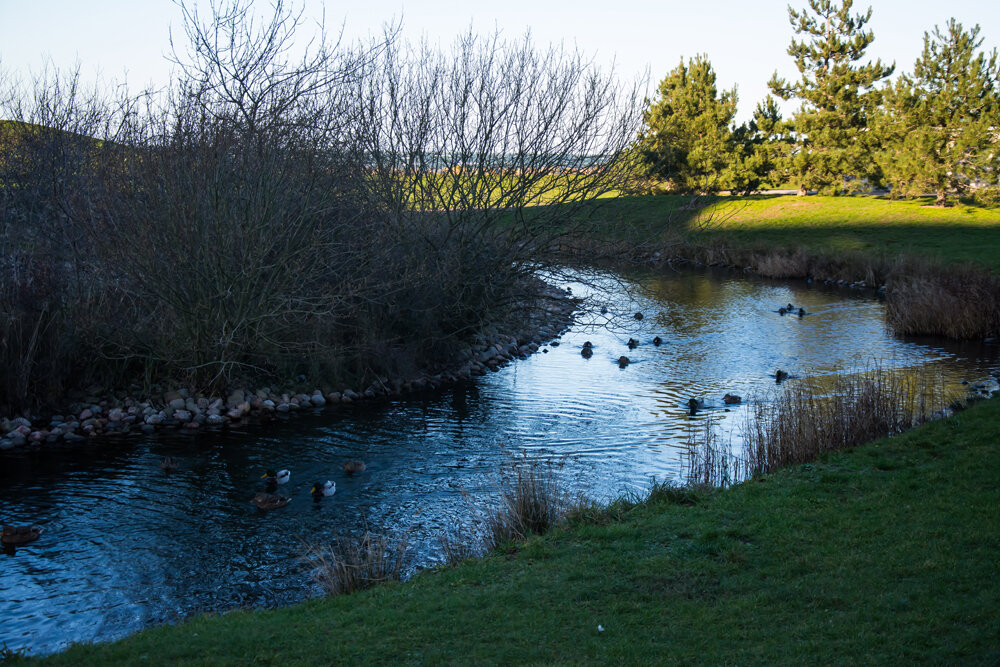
[687, 140]
[838, 97]
[762, 144]
[941, 124]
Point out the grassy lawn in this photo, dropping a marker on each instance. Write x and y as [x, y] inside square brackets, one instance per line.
[871, 224]
[883, 555]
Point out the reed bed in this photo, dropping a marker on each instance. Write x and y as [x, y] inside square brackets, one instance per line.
[355, 563]
[806, 421]
[532, 501]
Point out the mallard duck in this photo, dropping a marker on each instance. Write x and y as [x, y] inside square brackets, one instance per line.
[168, 464]
[321, 489]
[623, 361]
[269, 501]
[587, 352]
[731, 399]
[632, 343]
[14, 535]
[802, 312]
[789, 308]
[657, 341]
[780, 375]
[782, 310]
[638, 316]
[280, 477]
[695, 404]
[352, 467]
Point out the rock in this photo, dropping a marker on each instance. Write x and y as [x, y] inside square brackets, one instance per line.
[17, 438]
[283, 407]
[350, 395]
[115, 415]
[333, 397]
[6, 443]
[86, 414]
[74, 437]
[177, 404]
[268, 405]
[182, 415]
[216, 420]
[147, 428]
[154, 419]
[232, 413]
[236, 398]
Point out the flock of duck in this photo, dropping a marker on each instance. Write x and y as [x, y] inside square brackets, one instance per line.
[694, 404]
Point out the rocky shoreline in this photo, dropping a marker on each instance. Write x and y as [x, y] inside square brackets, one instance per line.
[105, 414]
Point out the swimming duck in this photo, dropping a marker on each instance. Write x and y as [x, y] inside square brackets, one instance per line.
[587, 352]
[632, 343]
[782, 310]
[269, 501]
[638, 316]
[657, 341]
[731, 399]
[695, 404]
[280, 477]
[780, 375]
[352, 467]
[623, 361]
[802, 312]
[168, 464]
[321, 489]
[789, 308]
[14, 535]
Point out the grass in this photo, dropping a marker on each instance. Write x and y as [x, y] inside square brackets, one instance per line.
[885, 554]
[862, 224]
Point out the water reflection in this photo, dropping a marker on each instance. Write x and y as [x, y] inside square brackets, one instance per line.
[127, 545]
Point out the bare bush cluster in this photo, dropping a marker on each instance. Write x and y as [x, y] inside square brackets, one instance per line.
[351, 212]
[532, 500]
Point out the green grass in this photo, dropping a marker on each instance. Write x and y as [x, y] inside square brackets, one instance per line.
[887, 554]
[870, 224]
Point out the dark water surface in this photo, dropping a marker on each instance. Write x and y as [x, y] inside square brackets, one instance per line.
[126, 545]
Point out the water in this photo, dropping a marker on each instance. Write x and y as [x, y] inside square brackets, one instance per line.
[127, 545]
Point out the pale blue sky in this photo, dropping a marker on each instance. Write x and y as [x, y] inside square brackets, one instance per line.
[111, 37]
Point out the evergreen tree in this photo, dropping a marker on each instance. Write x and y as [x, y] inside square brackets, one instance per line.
[687, 140]
[941, 124]
[762, 144]
[838, 96]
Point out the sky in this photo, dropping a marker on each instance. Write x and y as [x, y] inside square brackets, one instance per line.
[114, 39]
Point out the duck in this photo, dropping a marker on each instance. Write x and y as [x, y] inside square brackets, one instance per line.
[782, 310]
[638, 316]
[789, 308]
[269, 501]
[321, 489]
[802, 312]
[15, 535]
[657, 341]
[780, 375]
[280, 477]
[695, 404]
[632, 343]
[352, 467]
[731, 399]
[587, 352]
[623, 361]
[168, 464]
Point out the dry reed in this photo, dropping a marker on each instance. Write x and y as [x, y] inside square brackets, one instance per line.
[350, 564]
[532, 500]
[804, 423]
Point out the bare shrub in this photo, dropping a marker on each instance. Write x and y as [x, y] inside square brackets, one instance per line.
[806, 422]
[532, 501]
[350, 564]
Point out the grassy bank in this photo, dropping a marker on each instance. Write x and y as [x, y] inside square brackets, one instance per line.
[885, 554]
[864, 224]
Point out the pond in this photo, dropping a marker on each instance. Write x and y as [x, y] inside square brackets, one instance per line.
[127, 545]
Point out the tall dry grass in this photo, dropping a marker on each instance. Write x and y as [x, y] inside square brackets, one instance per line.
[350, 564]
[806, 422]
[961, 302]
[532, 501]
